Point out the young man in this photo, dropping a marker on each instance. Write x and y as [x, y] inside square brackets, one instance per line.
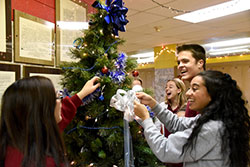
[137, 81]
[191, 59]
[137, 85]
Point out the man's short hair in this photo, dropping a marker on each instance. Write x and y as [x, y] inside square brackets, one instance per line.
[138, 79]
[198, 52]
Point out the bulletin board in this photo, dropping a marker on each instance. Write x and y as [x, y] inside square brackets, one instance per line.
[5, 31]
[34, 39]
[54, 74]
[9, 73]
[68, 15]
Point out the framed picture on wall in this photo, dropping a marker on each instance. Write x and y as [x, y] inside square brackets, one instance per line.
[71, 19]
[9, 73]
[34, 39]
[53, 74]
[5, 31]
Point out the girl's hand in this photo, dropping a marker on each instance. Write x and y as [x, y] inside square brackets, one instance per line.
[146, 99]
[141, 111]
[89, 87]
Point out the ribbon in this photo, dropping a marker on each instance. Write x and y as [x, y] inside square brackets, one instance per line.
[116, 14]
[124, 101]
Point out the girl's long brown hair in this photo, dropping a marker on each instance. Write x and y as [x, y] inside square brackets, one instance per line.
[181, 96]
[28, 123]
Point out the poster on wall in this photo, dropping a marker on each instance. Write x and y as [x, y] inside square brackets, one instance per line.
[53, 74]
[5, 30]
[34, 39]
[71, 19]
[9, 73]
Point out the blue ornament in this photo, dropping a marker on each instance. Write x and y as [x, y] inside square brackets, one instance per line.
[78, 43]
[101, 97]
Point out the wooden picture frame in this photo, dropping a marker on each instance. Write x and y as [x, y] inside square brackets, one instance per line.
[54, 74]
[68, 12]
[9, 73]
[5, 31]
[34, 39]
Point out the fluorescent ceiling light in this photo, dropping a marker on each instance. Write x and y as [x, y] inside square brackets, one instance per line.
[65, 25]
[146, 60]
[145, 55]
[212, 50]
[233, 42]
[212, 12]
[229, 51]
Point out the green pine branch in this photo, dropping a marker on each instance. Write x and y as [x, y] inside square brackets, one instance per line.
[86, 139]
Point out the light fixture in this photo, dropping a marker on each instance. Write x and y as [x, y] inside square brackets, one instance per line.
[218, 52]
[233, 42]
[157, 28]
[230, 47]
[212, 12]
[145, 57]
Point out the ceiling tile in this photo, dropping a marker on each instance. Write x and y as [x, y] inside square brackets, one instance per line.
[139, 5]
[162, 11]
[140, 19]
[145, 15]
[192, 5]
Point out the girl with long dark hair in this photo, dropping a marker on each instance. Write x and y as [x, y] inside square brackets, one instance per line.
[217, 137]
[32, 116]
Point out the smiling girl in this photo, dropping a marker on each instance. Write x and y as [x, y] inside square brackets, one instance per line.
[175, 101]
[175, 96]
[217, 137]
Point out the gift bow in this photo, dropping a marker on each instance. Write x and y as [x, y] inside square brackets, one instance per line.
[116, 14]
[124, 101]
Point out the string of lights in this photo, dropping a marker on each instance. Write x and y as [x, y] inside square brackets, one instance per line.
[78, 46]
[170, 8]
[93, 128]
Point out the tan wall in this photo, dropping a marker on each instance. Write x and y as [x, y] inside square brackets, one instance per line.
[147, 76]
[240, 71]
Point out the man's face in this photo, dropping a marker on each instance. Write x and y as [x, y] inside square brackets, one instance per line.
[188, 66]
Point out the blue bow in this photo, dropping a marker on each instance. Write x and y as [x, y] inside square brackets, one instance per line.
[116, 14]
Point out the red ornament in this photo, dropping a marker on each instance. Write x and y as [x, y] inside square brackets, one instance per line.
[105, 70]
[135, 73]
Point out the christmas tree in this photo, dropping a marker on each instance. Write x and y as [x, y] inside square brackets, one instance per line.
[95, 136]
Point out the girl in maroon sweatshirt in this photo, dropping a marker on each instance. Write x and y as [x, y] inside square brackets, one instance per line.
[32, 117]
